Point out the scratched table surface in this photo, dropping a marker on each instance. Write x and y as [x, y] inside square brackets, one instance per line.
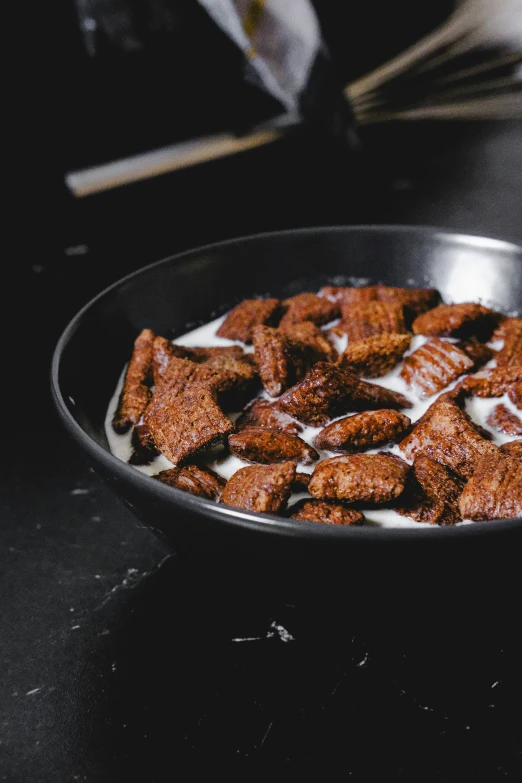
[119, 660]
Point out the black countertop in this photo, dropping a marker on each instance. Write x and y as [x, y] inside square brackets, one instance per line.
[122, 661]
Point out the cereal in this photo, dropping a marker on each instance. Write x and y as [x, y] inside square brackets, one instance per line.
[136, 392]
[203, 482]
[263, 413]
[367, 320]
[281, 360]
[241, 320]
[144, 450]
[363, 431]
[457, 320]
[503, 420]
[371, 478]
[326, 513]
[435, 365]
[327, 392]
[495, 489]
[261, 488]
[173, 402]
[374, 356]
[447, 435]
[258, 444]
[309, 307]
[492, 383]
[513, 448]
[185, 423]
[432, 493]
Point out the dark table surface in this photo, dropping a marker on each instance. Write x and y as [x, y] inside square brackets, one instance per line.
[122, 661]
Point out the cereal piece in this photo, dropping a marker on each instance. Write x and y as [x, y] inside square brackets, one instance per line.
[491, 383]
[505, 326]
[309, 307]
[415, 300]
[135, 393]
[203, 353]
[511, 353]
[503, 420]
[434, 365]
[184, 423]
[241, 320]
[457, 320]
[301, 482]
[313, 337]
[432, 493]
[375, 356]
[232, 379]
[262, 413]
[479, 352]
[258, 444]
[326, 513]
[515, 395]
[281, 361]
[368, 320]
[261, 488]
[144, 450]
[327, 392]
[163, 351]
[513, 448]
[363, 431]
[203, 482]
[446, 434]
[371, 478]
[495, 489]
[349, 295]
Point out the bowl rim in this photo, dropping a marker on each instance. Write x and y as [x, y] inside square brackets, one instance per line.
[248, 520]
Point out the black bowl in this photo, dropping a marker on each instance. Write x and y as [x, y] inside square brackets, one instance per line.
[192, 288]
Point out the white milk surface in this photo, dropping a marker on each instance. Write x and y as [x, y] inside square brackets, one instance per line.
[226, 465]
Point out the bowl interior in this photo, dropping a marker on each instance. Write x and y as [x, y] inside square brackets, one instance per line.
[182, 292]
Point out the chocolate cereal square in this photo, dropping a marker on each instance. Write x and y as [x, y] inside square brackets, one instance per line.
[325, 512]
[281, 361]
[241, 320]
[447, 435]
[365, 478]
[414, 300]
[434, 365]
[184, 423]
[374, 356]
[234, 380]
[504, 421]
[203, 482]
[261, 488]
[136, 393]
[457, 320]
[479, 352]
[511, 353]
[515, 395]
[309, 307]
[368, 320]
[144, 449]
[262, 413]
[315, 339]
[327, 391]
[495, 489]
[513, 448]
[350, 295]
[257, 444]
[432, 493]
[493, 382]
[363, 431]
